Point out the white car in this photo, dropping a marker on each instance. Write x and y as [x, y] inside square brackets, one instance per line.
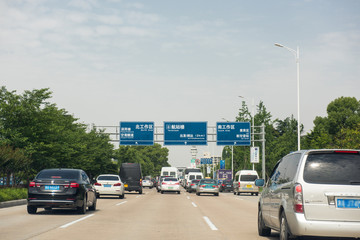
[170, 184]
[109, 184]
[147, 182]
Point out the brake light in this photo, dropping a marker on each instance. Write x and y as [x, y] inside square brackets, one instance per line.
[202, 185]
[239, 184]
[223, 185]
[177, 183]
[215, 186]
[346, 152]
[298, 199]
[163, 183]
[117, 184]
[32, 184]
[192, 184]
[97, 184]
[74, 185]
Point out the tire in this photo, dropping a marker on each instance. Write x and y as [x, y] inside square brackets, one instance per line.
[93, 207]
[216, 194]
[48, 208]
[198, 194]
[162, 192]
[140, 192]
[31, 209]
[262, 229]
[82, 209]
[234, 193]
[122, 196]
[284, 228]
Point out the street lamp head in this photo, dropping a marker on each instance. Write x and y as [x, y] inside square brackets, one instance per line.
[279, 45]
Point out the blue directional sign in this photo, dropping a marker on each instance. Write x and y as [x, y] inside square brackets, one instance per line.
[137, 133]
[185, 133]
[233, 133]
[206, 161]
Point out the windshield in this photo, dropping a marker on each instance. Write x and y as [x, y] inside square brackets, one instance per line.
[58, 174]
[108, 178]
[248, 178]
[333, 168]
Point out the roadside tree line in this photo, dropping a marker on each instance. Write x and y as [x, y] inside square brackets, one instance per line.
[339, 129]
[36, 134]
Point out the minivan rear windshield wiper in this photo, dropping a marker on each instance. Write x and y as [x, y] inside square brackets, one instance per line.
[354, 182]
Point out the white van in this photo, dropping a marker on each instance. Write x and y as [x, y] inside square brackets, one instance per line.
[192, 176]
[244, 182]
[169, 172]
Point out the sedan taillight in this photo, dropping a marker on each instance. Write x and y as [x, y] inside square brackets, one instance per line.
[117, 184]
[32, 184]
[74, 185]
[97, 184]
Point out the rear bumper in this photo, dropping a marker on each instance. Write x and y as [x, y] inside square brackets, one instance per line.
[299, 226]
[208, 190]
[55, 203]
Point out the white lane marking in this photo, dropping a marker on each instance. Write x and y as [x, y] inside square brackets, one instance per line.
[211, 225]
[193, 204]
[121, 203]
[73, 222]
[188, 197]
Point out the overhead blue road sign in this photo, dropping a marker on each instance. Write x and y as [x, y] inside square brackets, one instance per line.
[233, 133]
[206, 161]
[185, 133]
[137, 133]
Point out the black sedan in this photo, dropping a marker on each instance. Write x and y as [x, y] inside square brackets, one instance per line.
[61, 188]
[226, 185]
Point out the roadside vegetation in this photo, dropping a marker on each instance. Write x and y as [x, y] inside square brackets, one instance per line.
[36, 134]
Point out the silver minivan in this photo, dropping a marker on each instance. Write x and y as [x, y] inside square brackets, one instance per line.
[312, 193]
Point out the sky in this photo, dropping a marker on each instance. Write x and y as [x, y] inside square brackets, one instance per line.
[107, 61]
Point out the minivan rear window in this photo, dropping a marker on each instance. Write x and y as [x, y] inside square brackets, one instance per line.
[248, 178]
[333, 168]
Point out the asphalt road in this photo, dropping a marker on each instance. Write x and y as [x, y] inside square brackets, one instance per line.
[148, 216]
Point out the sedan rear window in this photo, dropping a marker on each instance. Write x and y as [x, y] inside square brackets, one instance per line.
[58, 174]
[108, 178]
[208, 182]
[170, 179]
[333, 168]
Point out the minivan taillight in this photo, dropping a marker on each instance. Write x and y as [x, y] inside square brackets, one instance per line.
[298, 199]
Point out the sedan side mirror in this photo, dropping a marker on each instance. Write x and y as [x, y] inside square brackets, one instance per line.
[260, 182]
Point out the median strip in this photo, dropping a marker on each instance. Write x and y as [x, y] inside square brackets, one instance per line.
[71, 223]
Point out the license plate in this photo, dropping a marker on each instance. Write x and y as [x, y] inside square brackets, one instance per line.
[125, 185]
[107, 185]
[52, 187]
[348, 203]
[249, 186]
[228, 185]
[170, 187]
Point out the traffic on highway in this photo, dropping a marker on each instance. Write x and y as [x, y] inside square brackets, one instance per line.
[63, 203]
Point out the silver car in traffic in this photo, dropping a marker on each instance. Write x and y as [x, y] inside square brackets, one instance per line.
[312, 193]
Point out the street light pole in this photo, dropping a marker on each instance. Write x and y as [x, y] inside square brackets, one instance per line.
[297, 57]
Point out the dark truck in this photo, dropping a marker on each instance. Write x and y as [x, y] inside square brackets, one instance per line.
[131, 176]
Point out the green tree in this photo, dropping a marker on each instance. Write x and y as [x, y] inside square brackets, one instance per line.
[151, 158]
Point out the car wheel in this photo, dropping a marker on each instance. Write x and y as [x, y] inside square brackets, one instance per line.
[93, 207]
[82, 209]
[122, 196]
[178, 192]
[284, 229]
[162, 192]
[31, 209]
[48, 208]
[234, 193]
[216, 194]
[140, 192]
[262, 229]
[198, 194]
